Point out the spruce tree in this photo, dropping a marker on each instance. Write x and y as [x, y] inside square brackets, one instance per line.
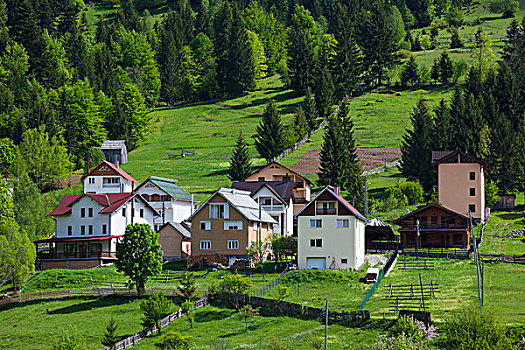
[240, 161]
[445, 68]
[240, 57]
[110, 335]
[324, 92]
[334, 157]
[355, 182]
[377, 42]
[299, 123]
[410, 73]
[270, 139]
[444, 131]
[187, 290]
[67, 20]
[416, 149]
[310, 110]
[455, 40]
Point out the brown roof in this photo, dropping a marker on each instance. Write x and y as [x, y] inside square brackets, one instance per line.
[420, 209]
[119, 170]
[447, 154]
[290, 170]
[282, 189]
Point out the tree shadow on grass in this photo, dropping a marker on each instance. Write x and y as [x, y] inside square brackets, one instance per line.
[94, 304]
[212, 315]
[509, 216]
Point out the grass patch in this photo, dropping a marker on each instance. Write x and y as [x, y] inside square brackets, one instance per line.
[214, 323]
[29, 326]
[495, 239]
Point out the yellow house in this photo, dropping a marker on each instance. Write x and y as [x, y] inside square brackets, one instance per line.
[228, 223]
[461, 182]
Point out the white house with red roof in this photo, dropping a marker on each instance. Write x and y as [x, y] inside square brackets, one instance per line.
[88, 226]
[330, 233]
[109, 178]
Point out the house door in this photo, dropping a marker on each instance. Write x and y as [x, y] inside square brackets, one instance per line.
[316, 263]
[82, 250]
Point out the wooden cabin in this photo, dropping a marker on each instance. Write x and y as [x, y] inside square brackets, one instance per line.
[439, 228]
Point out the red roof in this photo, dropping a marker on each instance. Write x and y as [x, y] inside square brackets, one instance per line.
[67, 239]
[119, 170]
[112, 201]
[64, 207]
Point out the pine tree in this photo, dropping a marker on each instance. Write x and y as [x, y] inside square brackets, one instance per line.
[355, 183]
[324, 92]
[299, 123]
[434, 73]
[46, 15]
[67, 20]
[377, 42]
[240, 57]
[222, 25]
[270, 139]
[187, 290]
[410, 73]
[310, 110]
[416, 150]
[240, 161]
[334, 157]
[455, 40]
[444, 131]
[445, 68]
[110, 336]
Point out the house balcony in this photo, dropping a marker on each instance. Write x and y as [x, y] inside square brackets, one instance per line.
[274, 208]
[111, 185]
[78, 255]
[326, 211]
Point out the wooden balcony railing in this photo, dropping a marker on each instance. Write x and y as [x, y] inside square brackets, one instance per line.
[76, 255]
[326, 211]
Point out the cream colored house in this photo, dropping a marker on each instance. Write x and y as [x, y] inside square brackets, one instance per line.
[227, 223]
[277, 172]
[461, 182]
[331, 233]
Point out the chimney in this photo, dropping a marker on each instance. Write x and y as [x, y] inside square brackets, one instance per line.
[116, 164]
[337, 190]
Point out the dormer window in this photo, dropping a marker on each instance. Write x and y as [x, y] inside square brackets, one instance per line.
[326, 208]
[218, 211]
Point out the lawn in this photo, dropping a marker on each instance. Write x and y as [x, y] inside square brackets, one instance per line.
[56, 279]
[32, 325]
[211, 128]
[214, 324]
[495, 239]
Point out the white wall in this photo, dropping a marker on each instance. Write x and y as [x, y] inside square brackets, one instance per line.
[339, 243]
[176, 210]
[287, 223]
[125, 186]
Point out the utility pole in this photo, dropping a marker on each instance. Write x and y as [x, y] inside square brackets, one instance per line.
[326, 327]
[417, 239]
[366, 199]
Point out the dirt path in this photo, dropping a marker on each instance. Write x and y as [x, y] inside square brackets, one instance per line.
[369, 157]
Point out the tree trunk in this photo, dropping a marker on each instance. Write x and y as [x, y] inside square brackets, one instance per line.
[14, 279]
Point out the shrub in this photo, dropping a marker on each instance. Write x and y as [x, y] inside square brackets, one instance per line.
[491, 194]
[155, 308]
[471, 329]
[401, 342]
[276, 344]
[413, 191]
[69, 340]
[395, 196]
[174, 341]
[406, 325]
[236, 286]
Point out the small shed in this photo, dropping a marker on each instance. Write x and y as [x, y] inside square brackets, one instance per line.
[505, 202]
[115, 151]
[379, 236]
[175, 240]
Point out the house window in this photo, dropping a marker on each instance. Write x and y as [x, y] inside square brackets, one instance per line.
[90, 229]
[164, 198]
[465, 159]
[205, 245]
[261, 178]
[316, 243]
[123, 212]
[232, 225]
[156, 228]
[104, 229]
[344, 261]
[268, 227]
[255, 225]
[82, 212]
[90, 212]
[316, 223]
[218, 211]
[69, 230]
[205, 225]
[91, 180]
[326, 208]
[434, 220]
[111, 182]
[472, 175]
[233, 244]
[141, 213]
[453, 159]
[472, 191]
[82, 230]
[342, 223]
[472, 208]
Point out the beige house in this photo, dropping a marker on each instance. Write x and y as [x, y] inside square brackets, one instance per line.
[331, 233]
[277, 172]
[227, 224]
[461, 182]
[175, 240]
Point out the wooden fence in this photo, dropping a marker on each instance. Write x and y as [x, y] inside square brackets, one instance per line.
[272, 284]
[515, 259]
[419, 264]
[438, 253]
[297, 309]
[135, 338]
[412, 290]
[66, 293]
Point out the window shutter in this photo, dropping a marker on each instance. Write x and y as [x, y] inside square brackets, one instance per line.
[226, 211]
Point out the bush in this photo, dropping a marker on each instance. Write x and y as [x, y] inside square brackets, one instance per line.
[174, 341]
[69, 340]
[394, 196]
[471, 330]
[413, 191]
[400, 342]
[236, 286]
[491, 194]
[406, 325]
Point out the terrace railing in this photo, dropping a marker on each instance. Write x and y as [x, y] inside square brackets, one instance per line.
[75, 255]
[274, 208]
[326, 211]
